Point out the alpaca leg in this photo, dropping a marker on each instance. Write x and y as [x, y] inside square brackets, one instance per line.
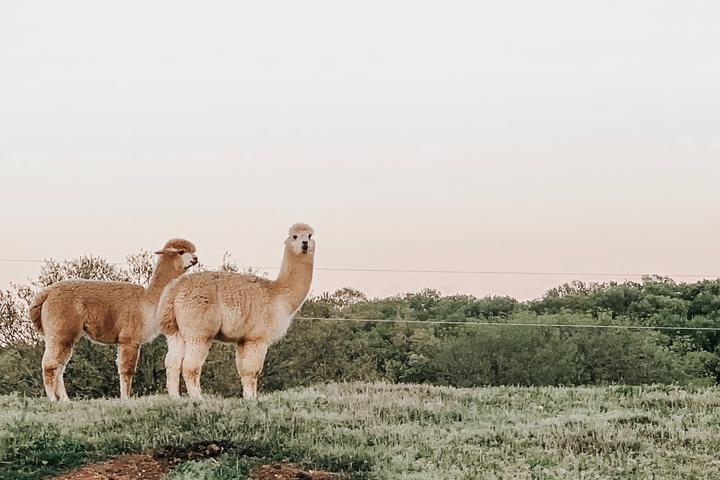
[196, 352]
[249, 359]
[60, 384]
[127, 358]
[173, 364]
[50, 370]
[53, 363]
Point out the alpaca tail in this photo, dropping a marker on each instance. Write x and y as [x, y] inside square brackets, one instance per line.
[36, 310]
[166, 309]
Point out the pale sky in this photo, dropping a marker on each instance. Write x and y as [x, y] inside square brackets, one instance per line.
[513, 136]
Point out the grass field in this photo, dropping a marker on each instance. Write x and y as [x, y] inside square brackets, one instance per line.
[387, 431]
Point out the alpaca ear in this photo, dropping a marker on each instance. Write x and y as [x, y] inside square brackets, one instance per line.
[160, 252]
[166, 250]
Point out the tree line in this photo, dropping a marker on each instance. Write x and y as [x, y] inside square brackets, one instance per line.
[458, 353]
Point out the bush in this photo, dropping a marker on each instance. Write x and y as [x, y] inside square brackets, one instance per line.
[316, 351]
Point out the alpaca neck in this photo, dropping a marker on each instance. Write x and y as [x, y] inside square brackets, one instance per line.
[164, 273]
[294, 279]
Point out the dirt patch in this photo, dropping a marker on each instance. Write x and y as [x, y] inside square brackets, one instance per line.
[125, 467]
[155, 465]
[287, 471]
[149, 466]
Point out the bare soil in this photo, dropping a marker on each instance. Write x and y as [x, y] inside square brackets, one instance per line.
[155, 465]
[287, 471]
[125, 467]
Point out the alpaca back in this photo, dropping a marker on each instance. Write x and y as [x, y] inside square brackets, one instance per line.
[103, 310]
[226, 306]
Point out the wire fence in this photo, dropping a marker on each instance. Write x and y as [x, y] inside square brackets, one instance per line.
[440, 271]
[511, 324]
[470, 322]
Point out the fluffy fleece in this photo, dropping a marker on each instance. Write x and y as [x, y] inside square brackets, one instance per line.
[106, 312]
[248, 311]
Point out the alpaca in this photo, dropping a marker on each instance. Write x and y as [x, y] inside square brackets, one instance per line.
[106, 312]
[243, 309]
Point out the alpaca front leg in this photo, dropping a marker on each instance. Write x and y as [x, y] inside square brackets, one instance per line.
[173, 364]
[196, 352]
[128, 354]
[249, 359]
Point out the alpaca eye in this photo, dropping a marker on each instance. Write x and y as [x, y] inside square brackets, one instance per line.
[181, 252]
[310, 236]
[294, 237]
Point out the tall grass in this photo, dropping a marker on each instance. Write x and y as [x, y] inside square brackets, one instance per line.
[388, 431]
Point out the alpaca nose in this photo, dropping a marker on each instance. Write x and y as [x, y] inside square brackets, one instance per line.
[194, 259]
[305, 244]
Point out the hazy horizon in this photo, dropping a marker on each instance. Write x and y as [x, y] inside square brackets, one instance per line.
[554, 137]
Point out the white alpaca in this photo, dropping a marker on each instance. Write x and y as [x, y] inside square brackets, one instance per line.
[248, 311]
[106, 312]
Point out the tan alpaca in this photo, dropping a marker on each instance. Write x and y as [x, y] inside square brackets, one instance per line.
[248, 311]
[106, 312]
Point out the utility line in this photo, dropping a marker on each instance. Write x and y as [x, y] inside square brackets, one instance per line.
[500, 272]
[449, 271]
[20, 260]
[510, 324]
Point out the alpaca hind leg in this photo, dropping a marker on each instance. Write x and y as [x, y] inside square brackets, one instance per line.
[60, 384]
[173, 364]
[127, 358]
[53, 362]
[249, 359]
[196, 352]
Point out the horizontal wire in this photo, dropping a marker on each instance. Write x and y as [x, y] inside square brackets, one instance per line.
[500, 272]
[451, 272]
[512, 324]
[20, 260]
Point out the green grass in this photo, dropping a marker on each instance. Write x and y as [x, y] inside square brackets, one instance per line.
[388, 431]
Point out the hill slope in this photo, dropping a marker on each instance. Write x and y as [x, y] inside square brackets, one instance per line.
[387, 431]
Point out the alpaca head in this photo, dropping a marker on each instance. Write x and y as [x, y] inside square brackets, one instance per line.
[299, 240]
[180, 253]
